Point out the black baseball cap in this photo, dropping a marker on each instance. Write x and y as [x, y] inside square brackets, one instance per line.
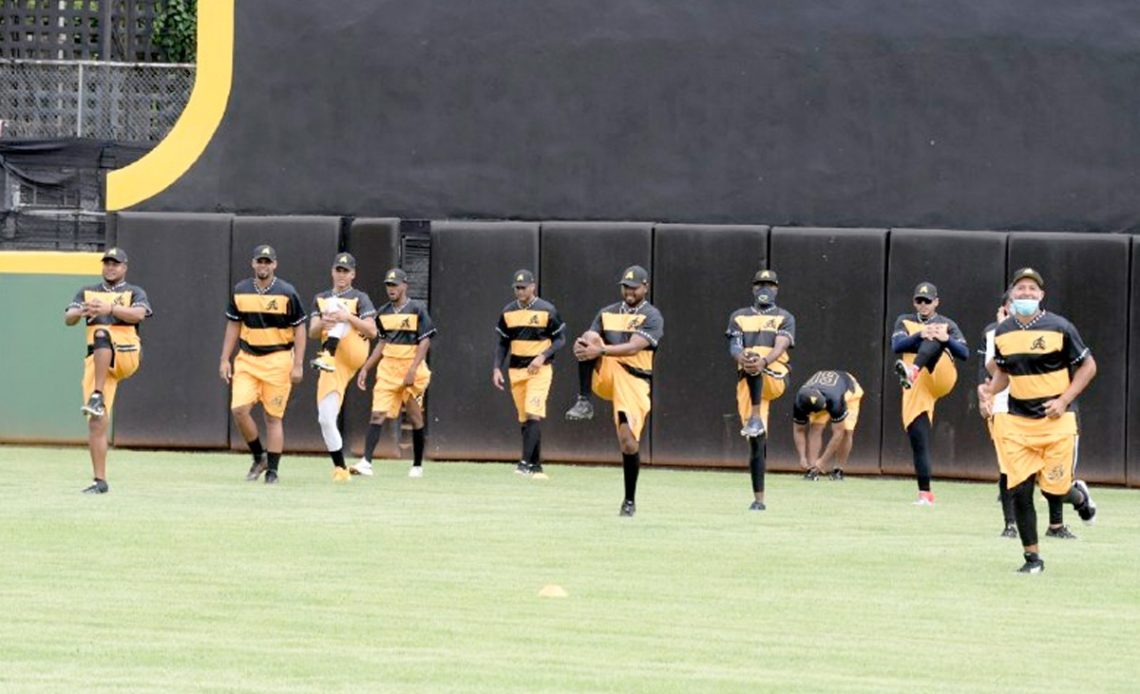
[634, 276]
[395, 276]
[1027, 272]
[522, 278]
[925, 290]
[810, 400]
[765, 276]
[344, 260]
[265, 251]
[116, 254]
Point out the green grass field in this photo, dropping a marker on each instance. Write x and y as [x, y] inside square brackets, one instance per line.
[187, 578]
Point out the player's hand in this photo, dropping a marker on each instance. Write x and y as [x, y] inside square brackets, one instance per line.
[410, 377]
[226, 370]
[535, 364]
[362, 379]
[1002, 314]
[941, 332]
[96, 307]
[327, 323]
[297, 373]
[497, 378]
[580, 347]
[1055, 408]
[338, 316]
[986, 408]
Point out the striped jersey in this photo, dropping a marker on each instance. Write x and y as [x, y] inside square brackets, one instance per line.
[529, 330]
[352, 300]
[403, 327]
[267, 316]
[617, 323]
[757, 330]
[1040, 358]
[123, 334]
[909, 324]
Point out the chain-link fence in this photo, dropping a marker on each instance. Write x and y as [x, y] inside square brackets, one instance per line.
[125, 102]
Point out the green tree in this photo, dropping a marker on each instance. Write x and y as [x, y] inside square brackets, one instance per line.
[175, 30]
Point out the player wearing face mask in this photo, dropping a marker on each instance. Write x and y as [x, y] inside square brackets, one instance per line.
[759, 337]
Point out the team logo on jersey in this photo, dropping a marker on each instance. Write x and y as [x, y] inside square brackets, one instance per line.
[769, 325]
[533, 320]
[1039, 343]
[1055, 473]
[119, 300]
[271, 305]
[278, 401]
[406, 324]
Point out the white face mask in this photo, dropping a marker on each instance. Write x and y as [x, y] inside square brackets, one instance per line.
[1026, 307]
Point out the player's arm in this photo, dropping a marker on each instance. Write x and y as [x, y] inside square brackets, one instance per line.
[73, 314]
[127, 314]
[799, 436]
[999, 382]
[365, 326]
[229, 342]
[421, 353]
[834, 446]
[781, 346]
[636, 344]
[502, 348]
[1081, 378]
[316, 325]
[370, 364]
[299, 342]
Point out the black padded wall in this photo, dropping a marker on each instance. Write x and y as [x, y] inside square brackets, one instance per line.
[833, 282]
[1086, 281]
[472, 264]
[305, 250]
[863, 113]
[176, 399]
[703, 274]
[968, 267]
[581, 263]
[1133, 413]
[376, 245]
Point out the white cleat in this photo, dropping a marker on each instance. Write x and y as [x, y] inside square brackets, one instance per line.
[362, 468]
[416, 471]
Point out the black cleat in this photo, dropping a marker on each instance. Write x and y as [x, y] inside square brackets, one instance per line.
[812, 475]
[97, 487]
[906, 373]
[1061, 533]
[536, 472]
[1087, 510]
[582, 409]
[271, 477]
[259, 466]
[95, 406]
[836, 475]
[753, 429]
[627, 509]
[1010, 531]
[1034, 564]
[757, 506]
[523, 468]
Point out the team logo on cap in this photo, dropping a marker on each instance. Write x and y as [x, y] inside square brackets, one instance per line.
[629, 275]
[813, 399]
[265, 249]
[342, 259]
[766, 274]
[520, 277]
[391, 275]
[924, 289]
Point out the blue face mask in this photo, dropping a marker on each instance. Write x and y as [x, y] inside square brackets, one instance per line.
[1026, 307]
[765, 295]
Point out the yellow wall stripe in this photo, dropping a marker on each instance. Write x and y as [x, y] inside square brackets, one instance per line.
[50, 263]
[186, 141]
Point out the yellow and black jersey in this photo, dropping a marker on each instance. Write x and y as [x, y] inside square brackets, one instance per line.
[267, 316]
[617, 323]
[1040, 358]
[825, 390]
[527, 331]
[905, 338]
[403, 327]
[755, 330]
[123, 334]
[352, 299]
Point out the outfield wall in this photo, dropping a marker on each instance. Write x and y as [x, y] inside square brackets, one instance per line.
[845, 287]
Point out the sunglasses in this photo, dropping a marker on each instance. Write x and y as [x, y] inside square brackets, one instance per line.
[920, 300]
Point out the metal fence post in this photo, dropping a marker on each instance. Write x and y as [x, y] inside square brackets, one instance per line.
[79, 107]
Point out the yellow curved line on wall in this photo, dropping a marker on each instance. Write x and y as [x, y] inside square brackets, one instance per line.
[186, 141]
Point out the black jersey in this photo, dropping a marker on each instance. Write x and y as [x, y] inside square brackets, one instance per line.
[825, 390]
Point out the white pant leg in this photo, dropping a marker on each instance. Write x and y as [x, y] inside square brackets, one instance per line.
[327, 411]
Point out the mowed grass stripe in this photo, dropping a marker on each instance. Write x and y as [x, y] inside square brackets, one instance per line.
[186, 578]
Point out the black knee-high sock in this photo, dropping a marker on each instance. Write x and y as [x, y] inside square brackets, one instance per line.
[1024, 511]
[928, 353]
[1075, 497]
[755, 388]
[1056, 508]
[919, 434]
[631, 465]
[536, 457]
[522, 434]
[586, 378]
[532, 430]
[330, 345]
[371, 439]
[1006, 499]
[274, 461]
[337, 457]
[417, 447]
[255, 448]
[757, 461]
